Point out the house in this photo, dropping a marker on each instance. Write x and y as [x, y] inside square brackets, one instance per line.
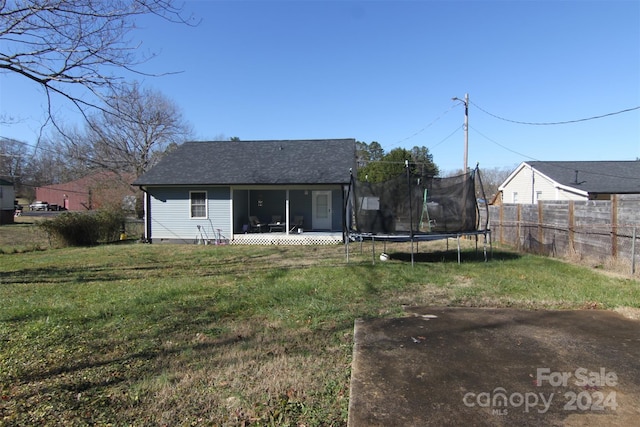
[570, 180]
[94, 191]
[7, 202]
[249, 191]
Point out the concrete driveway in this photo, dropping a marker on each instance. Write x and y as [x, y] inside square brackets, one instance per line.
[496, 367]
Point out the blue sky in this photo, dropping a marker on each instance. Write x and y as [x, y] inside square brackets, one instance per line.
[386, 71]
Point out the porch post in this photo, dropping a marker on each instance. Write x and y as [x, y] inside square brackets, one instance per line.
[286, 212]
[231, 215]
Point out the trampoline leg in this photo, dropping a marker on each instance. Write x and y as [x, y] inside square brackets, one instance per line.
[373, 251]
[347, 249]
[458, 239]
[412, 252]
[484, 247]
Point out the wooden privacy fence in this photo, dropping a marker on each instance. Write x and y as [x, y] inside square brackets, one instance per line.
[598, 229]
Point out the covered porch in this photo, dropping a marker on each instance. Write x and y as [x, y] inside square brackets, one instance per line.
[287, 214]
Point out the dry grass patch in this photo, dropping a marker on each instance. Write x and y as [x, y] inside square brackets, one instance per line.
[254, 375]
[229, 335]
[22, 236]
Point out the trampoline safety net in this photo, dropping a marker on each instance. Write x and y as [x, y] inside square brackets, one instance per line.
[410, 204]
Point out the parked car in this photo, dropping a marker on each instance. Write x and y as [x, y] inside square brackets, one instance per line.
[39, 206]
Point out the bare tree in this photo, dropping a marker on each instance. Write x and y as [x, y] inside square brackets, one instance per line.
[13, 156]
[28, 168]
[62, 44]
[492, 179]
[130, 135]
[64, 161]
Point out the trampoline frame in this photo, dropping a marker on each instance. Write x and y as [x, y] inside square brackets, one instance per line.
[416, 236]
[420, 237]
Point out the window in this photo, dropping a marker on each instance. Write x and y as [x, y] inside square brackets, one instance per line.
[515, 197]
[538, 196]
[198, 204]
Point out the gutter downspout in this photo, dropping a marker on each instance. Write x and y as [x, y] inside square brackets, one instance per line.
[147, 212]
[147, 215]
[533, 186]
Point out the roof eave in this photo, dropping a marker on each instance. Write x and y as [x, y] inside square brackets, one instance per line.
[571, 189]
[513, 175]
[244, 184]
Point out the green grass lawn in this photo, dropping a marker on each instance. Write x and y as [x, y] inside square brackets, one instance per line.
[227, 335]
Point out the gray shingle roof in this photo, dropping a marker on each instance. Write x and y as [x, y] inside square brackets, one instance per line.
[614, 177]
[325, 161]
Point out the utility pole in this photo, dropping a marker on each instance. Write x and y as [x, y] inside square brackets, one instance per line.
[466, 133]
[465, 167]
[466, 130]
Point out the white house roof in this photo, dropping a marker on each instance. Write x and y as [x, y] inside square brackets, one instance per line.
[588, 177]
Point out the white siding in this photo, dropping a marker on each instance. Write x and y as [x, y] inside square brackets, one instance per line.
[531, 186]
[522, 185]
[171, 217]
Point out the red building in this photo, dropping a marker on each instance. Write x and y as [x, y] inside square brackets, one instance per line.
[91, 192]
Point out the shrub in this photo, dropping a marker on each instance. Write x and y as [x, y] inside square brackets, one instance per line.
[84, 228]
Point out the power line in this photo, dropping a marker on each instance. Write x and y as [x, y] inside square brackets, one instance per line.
[502, 146]
[34, 148]
[553, 123]
[446, 137]
[555, 165]
[424, 128]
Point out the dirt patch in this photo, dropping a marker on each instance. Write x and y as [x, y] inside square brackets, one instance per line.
[496, 367]
[629, 312]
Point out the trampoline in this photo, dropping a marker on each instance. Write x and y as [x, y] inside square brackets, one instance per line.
[415, 208]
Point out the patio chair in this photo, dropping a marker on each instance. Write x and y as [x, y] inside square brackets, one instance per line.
[297, 223]
[256, 225]
[276, 224]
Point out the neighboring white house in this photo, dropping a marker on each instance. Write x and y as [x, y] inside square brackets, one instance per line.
[7, 202]
[567, 180]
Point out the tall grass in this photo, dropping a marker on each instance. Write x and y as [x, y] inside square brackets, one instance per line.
[188, 335]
